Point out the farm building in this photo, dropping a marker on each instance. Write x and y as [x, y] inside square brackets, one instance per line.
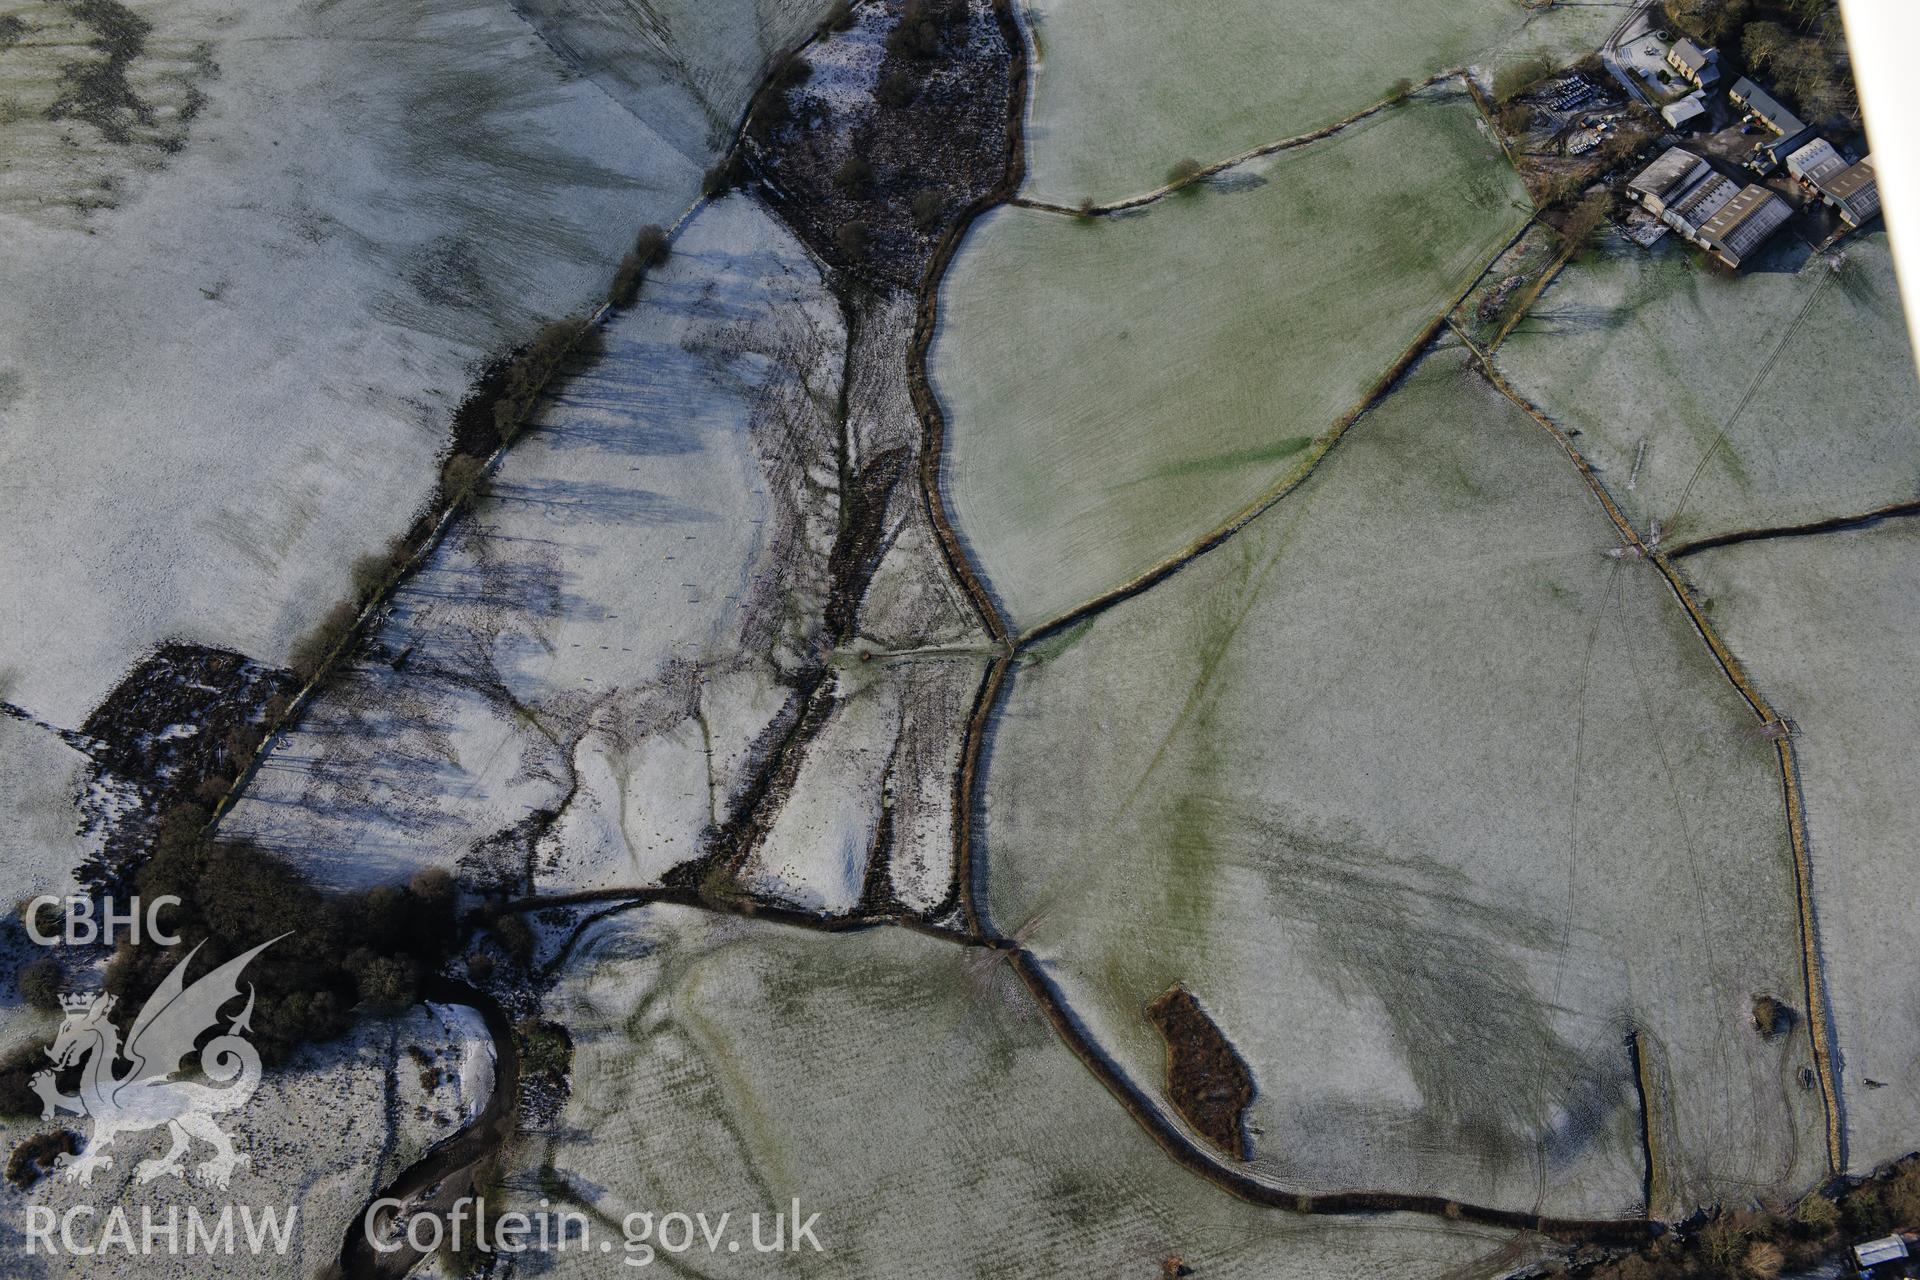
[1883, 1257]
[1709, 209]
[1824, 172]
[1766, 108]
[1690, 210]
[1701, 67]
[1770, 155]
[1744, 223]
[1814, 161]
[1855, 193]
[1686, 113]
[1671, 175]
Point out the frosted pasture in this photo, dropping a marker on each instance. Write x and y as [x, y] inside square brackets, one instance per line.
[1825, 627]
[1117, 388]
[1789, 389]
[685, 67]
[231, 341]
[1429, 802]
[41, 778]
[908, 1091]
[1122, 90]
[603, 637]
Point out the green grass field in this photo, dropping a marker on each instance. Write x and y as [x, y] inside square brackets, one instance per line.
[1117, 388]
[1124, 90]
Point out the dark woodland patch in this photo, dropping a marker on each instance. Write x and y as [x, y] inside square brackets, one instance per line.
[1207, 1082]
[870, 186]
[34, 1156]
[177, 729]
[1772, 1017]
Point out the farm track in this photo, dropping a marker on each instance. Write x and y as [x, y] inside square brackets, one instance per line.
[1760, 373]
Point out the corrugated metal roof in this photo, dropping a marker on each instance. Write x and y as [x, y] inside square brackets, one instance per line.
[1704, 202]
[1857, 189]
[1665, 174]
[1686, 110]
[1854, 179]
[1874, 1252]
[1745, 222]
[1815, 160]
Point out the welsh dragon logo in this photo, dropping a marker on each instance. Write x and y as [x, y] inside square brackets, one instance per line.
[145, 1095]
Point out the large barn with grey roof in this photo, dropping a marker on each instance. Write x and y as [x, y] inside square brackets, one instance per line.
[1728, 220]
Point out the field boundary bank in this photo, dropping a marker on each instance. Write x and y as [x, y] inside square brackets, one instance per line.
[1291, 480]
[1176, 1144]
[1651, 1189]
[1819, 1015]
[970, 872]
[442, 522]
[1525, 305]
[933, 422]
[1144, 198]
[1185, 1152]
[1811, 528]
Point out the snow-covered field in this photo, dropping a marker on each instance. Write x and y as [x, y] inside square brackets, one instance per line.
[41, 780]
[1707, 400]
[322, 1133]
[1432, 800]
[604, 638]
[230, 342]
[1429, 802]
[592, 670]
[878, 779]
[1826, 627]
